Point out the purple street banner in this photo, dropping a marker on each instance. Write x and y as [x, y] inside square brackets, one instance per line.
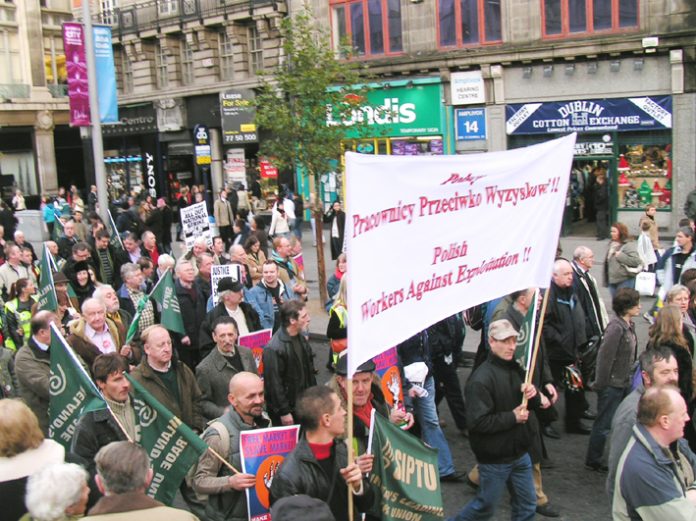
[256, 341]
[106, 74]
[387, 367]
[262, 452]
[76, 65]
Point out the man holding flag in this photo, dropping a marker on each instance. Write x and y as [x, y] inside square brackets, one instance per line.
[498, 430]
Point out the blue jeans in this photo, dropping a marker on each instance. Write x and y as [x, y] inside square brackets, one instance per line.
[628, 283]
[431, 433]
[494, 477]
[608, 400]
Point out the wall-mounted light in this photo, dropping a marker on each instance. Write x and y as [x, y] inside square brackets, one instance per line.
[527, 72]
[615, 66]
[638, 64]
[592, 67]
[569, 69]
[548, 71]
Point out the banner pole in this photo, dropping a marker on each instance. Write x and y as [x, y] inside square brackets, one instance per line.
[349, 439]
[223, 460]
[537, 340]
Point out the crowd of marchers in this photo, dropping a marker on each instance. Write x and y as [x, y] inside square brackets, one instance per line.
[641, 435]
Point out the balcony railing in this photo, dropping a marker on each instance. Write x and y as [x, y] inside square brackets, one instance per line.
[58, 90]
[153, 14]
[14, 90]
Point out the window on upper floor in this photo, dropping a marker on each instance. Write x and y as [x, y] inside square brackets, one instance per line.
[567, 17]
[226, 57]
[127, 68]
[106, 11]
[10, 67]
[161, 67]
[54, 60]
[186, 63]
[255, 50]
[167, 7]
[468, 22]
[370, 27]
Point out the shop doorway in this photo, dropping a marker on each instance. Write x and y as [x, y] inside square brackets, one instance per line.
[580, 212]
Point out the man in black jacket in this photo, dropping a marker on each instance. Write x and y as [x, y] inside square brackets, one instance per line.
[99, 428]
[564, 334]
[192, 305]
[288, 363]
[498, 431]
[318, 466]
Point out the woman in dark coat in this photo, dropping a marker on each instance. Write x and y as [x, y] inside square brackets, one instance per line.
[337, 217]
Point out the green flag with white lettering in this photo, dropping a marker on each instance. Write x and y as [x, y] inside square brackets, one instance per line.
[406, 472]
[115, 239]
[47, 292]
[164, 294]
[72, 392]
[172, 446]
[525, 338]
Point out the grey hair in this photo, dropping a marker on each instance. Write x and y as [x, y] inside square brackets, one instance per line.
[100, 290]
[202, 256]
[181, 263]
[675, 290]
[557, 265]
[92, 300]
[53, 489]
[122, 467]
[202, 240]
[165, 260]
[581, 252]
[128, 269]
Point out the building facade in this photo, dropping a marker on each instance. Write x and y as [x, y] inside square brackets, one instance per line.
[37, 146]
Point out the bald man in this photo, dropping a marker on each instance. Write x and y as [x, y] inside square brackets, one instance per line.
[564, 333]
[226, 491]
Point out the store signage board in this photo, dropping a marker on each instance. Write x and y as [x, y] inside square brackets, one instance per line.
[467, 88]
[133, 120]
[403, 111]
[599, 115]
[201, 145]
[235, 167]
[470, 124]
[237, 113]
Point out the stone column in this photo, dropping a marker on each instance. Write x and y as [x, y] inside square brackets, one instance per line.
[45, 152]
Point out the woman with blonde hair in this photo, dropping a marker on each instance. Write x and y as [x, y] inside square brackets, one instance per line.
[23, 452]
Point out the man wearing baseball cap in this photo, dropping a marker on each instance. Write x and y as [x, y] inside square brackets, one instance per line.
[498, 431]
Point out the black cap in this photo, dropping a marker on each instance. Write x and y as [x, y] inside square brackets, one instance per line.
[301, 508]
[81, 266]
[342, 366]
[229, 284]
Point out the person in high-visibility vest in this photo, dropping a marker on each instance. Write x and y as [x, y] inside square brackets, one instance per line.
[17, 328]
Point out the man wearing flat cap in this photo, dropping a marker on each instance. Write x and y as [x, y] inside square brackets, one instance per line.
[498, 431]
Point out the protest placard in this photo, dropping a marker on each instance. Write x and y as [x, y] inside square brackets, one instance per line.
[387, 367]
[195, 223]
[262, 453]
[485, 225]
[256, 342]
[220, 271]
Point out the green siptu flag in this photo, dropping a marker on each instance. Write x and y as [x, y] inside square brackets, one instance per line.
[115, 239]
[525, 338]
[406, 472]
[72, 392]
[57, 229]
[47, 298]
[133, 328]
[172, 446]
[164, 294]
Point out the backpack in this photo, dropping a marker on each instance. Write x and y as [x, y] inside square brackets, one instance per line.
[222, 431]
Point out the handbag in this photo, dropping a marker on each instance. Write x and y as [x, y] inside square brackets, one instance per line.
[645, 283]
[587, 359]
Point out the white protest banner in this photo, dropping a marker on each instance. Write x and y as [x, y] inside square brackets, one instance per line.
[220, 271]
[194, 221]
[450, 232]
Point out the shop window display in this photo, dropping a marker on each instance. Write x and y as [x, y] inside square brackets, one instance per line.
[645, 176]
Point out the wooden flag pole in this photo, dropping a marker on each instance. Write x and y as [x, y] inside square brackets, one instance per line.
[537, 340]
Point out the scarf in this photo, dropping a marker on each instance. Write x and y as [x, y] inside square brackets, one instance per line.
[284, 263]
[126, 416]
[338, 273]
[364, 413]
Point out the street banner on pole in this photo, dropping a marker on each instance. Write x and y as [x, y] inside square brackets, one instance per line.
[72, 392]
[47, 299]
[106, 74]
[465, 229]
[76, 65]
[195, 223]
[172, 446]
[256, 341]
[262, 452]
[406, 472]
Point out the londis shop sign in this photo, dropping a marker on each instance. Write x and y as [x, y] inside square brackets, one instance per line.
[393, 112]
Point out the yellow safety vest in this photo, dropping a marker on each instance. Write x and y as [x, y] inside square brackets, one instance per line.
[23, 320]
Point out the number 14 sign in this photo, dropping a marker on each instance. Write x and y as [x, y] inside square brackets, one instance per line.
[470, 124]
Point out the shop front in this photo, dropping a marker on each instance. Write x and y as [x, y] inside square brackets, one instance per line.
[404, 117]
[132, 153]
[629, 140]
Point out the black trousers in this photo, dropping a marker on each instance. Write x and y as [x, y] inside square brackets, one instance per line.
[575, 403]
[227, 235]
[447, 386]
